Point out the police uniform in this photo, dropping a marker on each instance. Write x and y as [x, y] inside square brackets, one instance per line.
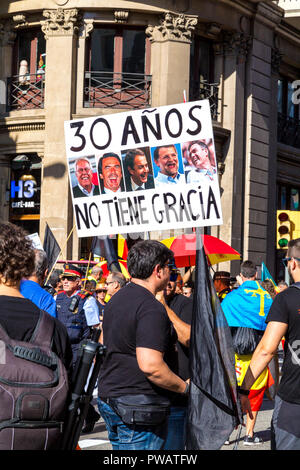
[222, 294]
[77, 312]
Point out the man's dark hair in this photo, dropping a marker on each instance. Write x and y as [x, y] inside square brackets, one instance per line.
[248, 269]
[40, 264]
[200, 143]
[294, 249]
[16, 254]
[156, 151]
[130, 156]
[145, 255]
[107, 155]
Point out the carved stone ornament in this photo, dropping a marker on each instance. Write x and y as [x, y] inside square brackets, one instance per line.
[173, 28]
[236, 43]
[20, 20]
[60, 22]
[7, 35]
[276, 57]
[121, 16]
[86, 28]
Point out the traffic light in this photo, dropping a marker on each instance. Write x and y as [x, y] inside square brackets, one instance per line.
[284, 229]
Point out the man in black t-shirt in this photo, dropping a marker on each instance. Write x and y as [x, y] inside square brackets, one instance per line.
[138, 336]
[283, 320]
[179, 309]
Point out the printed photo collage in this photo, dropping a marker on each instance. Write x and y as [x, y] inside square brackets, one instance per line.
[143, 168]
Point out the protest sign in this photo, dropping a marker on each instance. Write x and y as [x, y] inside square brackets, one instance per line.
[144, 170]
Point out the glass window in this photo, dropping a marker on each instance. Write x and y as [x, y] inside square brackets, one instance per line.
[31, 46]
[280, 96]
[294, 205]
[290, 104]
[102, 50]
[133, 58]
[283, 198]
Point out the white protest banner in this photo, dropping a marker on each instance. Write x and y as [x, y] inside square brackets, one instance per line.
[35, 240]
[144, 170]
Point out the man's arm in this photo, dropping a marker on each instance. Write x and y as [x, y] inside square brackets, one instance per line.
[262, 355]
[152, 364]
[91, 312]
[182, 329]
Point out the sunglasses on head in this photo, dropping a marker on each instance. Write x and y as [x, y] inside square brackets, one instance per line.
[286, 260]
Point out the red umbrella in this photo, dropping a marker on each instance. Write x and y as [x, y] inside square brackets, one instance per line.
[184, 248]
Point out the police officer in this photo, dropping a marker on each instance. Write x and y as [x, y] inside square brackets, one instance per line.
[221, 281]
[78, 310]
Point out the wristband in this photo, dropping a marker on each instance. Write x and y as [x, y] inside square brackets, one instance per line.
[242, 391]
[187, 388]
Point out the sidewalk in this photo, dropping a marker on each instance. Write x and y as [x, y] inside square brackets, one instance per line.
[262, 429]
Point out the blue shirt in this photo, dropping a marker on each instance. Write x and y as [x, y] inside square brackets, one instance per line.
[164, 179]
[40, 297]
[247, 306]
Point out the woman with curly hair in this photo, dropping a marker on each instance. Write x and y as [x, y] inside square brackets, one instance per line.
[19, 316]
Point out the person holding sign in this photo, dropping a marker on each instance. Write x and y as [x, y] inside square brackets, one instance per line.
[84, 175]
[135, 381]
[137, 172]
[110, 173]
[166, 158]
[199, 156]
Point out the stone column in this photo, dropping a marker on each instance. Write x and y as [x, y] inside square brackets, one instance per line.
[235, 49]
[7, 37]
[261, 120]
[170, 58]
[60, 29]
[85, 29]
[5, 174]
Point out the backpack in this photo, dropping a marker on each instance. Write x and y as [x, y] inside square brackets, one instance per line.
[33, 391]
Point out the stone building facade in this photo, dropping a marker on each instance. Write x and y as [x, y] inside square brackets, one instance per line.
[243, 55]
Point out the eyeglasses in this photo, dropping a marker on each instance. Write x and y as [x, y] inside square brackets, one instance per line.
[286, 260]
[69, 278]
[101, 291]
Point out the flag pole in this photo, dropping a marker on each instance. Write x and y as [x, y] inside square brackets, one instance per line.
[87, 269]
[52, 269]
[238, 437]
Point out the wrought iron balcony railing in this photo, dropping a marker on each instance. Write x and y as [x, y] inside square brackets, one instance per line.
[117, 90]
[25, 91]
[202, 90]
[288, 130]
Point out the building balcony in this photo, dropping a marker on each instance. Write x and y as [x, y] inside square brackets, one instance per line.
[202, 90]
[288, 131]
[117, 90]
[25, 91]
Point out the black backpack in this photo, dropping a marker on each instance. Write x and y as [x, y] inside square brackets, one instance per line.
[33, 390]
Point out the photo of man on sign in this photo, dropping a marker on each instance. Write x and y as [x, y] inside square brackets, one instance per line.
[167, 159]
[201, 161]
[110, 173]
[137, 170]
[85, 182]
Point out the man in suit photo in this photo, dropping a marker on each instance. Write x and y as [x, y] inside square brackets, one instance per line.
[110, 173]
[137, 172]
[84, 176]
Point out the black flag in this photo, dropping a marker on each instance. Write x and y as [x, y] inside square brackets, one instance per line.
[51, 247]
[213, 409]
[103, 246]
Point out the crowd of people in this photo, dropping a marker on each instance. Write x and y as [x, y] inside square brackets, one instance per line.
[145, 322]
